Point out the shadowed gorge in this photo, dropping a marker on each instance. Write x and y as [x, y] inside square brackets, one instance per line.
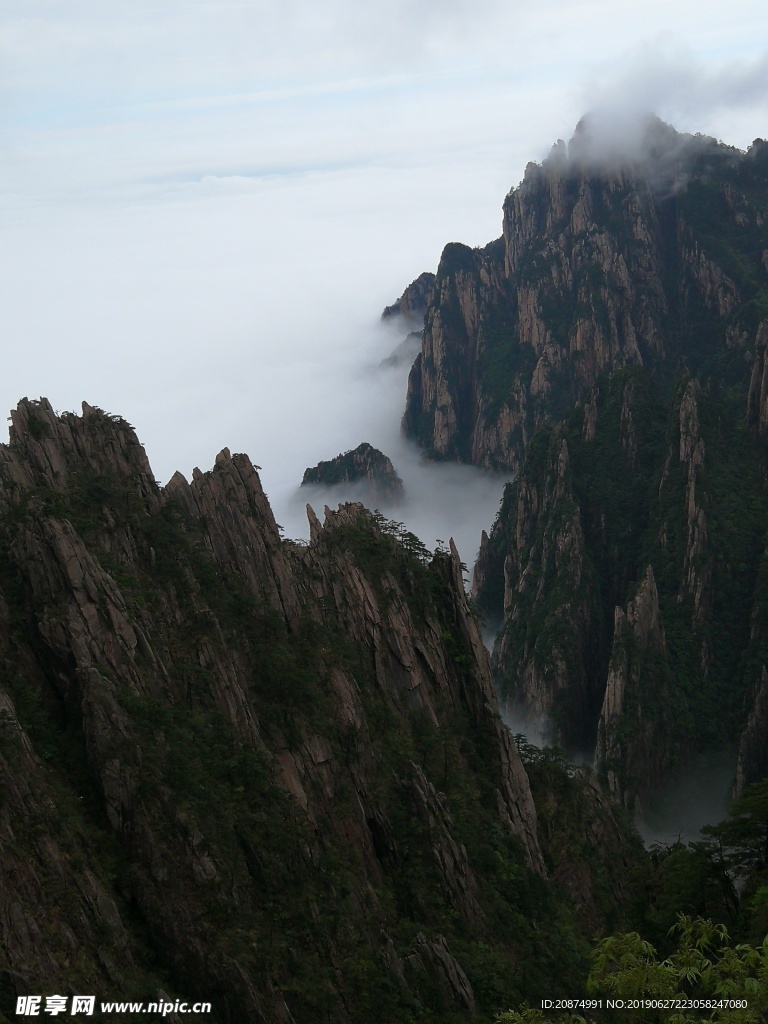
[628, 557]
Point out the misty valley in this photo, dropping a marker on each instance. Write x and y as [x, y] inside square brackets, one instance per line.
[487, 739]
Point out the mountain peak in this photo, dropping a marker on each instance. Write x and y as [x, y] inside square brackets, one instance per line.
[365, 466]
[607, 139]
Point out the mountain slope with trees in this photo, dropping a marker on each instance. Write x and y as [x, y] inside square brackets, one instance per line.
[265, 775]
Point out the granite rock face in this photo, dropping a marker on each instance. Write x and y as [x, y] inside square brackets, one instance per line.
[634, 764]
[365, 466]
[652, 259]
[410, 307]
[627, 567]
[234, 767]
[602, 351]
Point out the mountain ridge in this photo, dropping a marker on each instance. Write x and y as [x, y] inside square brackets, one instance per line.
[630, 287]
[595, 270]
[263, 774]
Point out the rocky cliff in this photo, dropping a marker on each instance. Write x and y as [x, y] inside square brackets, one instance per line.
[633, 750]
[604, 350]
[655, 259]
[410, 307]
[627, 564]
[239, 769]
[365, 466]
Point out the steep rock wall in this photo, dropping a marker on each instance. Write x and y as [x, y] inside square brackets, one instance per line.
[268, 772]
[652, 261]
[677, 486]
[633, 747]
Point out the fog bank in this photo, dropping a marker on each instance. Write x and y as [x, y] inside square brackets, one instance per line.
[697, 794]
[442, 501]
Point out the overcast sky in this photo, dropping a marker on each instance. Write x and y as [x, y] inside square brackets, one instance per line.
[204, 206]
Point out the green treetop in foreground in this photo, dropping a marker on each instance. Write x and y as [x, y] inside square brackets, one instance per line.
[705, 968]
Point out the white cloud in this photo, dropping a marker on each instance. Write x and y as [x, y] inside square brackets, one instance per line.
[670, 80]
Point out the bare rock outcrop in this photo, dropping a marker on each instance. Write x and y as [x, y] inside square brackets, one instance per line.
[632, 736]
[412, 304]
[541, 541]
[365, 466]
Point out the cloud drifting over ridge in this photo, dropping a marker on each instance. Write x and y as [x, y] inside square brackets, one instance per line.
[671, 81]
